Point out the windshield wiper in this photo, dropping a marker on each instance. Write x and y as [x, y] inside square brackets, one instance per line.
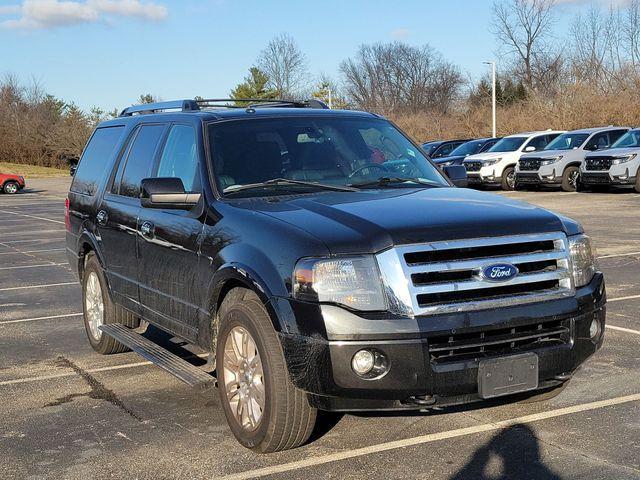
[384, 181]
[276, 182]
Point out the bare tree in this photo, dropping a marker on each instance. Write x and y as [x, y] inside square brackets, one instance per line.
[285, 66]
[400, 78]
[523, 27]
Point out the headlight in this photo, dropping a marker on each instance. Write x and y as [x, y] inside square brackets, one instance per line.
[625, 159]
[446, 164]
[486, 163]
[552, 160]
[583, 259]
[350, 281]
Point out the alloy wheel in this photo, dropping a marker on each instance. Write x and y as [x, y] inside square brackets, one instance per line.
[243, 378]
[94, 305]
[11, 188]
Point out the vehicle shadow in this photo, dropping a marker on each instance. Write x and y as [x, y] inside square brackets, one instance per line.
[513, 453]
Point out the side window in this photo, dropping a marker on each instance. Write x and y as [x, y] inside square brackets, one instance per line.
[138, 161]
[537, 142]
[95, 159]
[598, 141]
[614, 135]
[180, 157]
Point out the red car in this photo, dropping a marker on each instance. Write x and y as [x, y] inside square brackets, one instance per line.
[11, 183]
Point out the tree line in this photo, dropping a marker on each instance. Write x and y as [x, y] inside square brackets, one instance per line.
[588, 75]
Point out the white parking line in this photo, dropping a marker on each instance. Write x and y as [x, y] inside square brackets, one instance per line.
[622, 329]
[619, 299]
[27, 287]
[44, 240]
[35, 319]
[32, 216]
[17, 267]
[619, 255]
[31, 233]
[429, 438]
[71, 374]
[34, 251]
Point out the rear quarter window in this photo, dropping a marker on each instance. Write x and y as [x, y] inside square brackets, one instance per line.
[95, 159]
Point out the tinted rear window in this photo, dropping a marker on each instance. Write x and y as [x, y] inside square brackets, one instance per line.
[95, 159]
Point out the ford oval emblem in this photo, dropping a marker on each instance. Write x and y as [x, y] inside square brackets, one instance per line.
[499, 272]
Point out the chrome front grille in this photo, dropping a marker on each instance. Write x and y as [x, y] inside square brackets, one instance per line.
[445, 277]
[472, 166]
[531, 164]
[598, 163]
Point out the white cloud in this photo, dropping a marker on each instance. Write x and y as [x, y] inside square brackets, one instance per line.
[400, 33]
[56, 13]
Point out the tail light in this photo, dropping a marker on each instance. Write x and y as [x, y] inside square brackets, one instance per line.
[67, 221]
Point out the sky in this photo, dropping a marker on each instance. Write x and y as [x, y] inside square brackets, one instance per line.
[106, 53]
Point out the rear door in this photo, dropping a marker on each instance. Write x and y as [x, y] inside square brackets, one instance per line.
[169, 255]
[117, 215]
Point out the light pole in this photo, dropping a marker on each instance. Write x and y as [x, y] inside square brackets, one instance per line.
[493, 94]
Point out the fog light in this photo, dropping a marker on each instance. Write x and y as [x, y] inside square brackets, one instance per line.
[594, 328]
[363, 362]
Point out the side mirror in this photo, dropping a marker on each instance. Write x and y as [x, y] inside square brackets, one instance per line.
[457, 174]
[530, 148]
[166, 192]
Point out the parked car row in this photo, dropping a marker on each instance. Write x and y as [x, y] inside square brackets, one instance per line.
[583, 159]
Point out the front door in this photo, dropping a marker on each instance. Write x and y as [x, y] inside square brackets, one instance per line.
[169, 242]
[117, 216]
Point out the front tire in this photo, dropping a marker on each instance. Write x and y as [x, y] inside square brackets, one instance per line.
[637, 186]
[570, 179]
[265, 411]
[11, 188]
[98, 309]
[508, 181]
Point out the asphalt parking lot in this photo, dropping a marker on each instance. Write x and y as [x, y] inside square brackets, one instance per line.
[69, 413]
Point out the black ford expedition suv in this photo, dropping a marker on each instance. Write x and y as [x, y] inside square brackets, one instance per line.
[323, 262]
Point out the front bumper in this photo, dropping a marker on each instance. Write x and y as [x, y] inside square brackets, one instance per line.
[319, 362]
[537, 178]
[486, 176]
[618, 176]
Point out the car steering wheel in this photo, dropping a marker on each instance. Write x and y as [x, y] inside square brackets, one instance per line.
[365, 167]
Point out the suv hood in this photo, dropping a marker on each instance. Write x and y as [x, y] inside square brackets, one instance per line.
[614, 152]
[372, 220]
[548, 153]
[488, 155]
[454, 158]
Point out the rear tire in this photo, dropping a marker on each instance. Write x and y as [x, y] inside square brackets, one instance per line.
[286, 420]
[98, 309]
[11, 188]
[570, 179]
[508, 181]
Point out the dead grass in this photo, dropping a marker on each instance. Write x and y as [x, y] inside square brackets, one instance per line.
[32, 171]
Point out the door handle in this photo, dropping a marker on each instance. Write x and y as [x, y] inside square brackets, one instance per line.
[146, 229]
[102, 217]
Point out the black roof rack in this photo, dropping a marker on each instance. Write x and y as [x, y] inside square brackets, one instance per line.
[195, 105]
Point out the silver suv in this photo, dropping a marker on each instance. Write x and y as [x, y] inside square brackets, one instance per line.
[559, 163]
[617, 166]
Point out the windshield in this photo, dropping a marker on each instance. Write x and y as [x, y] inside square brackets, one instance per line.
[629, 139]
[468, 148]
[567, 141]
[430, 147]
[508, 144]
[323, 150]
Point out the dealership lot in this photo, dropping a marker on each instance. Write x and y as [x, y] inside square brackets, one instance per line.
[70, 413]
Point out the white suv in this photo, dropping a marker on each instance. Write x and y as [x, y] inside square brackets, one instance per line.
[619, 165]
[559, 163]
[497, 165]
